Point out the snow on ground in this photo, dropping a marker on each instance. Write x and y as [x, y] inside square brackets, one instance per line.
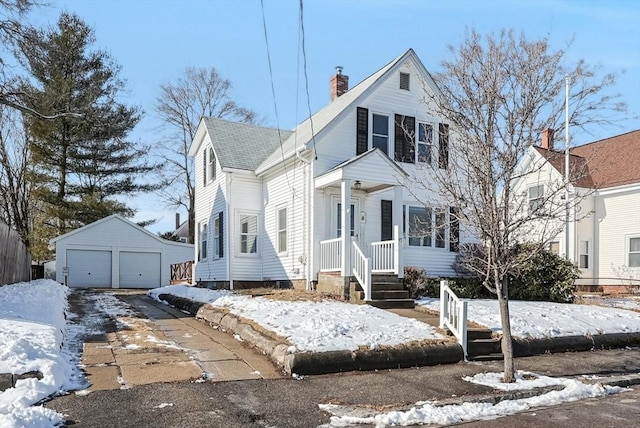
[314, 326]
[432, 413]
[547, 319]
[32, 326]
[630, 302]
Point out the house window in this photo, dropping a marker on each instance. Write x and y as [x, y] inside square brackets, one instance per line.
[216, 236]
[202, 251]
[420, 227]
[633, 255]
[536, 197]
[443, 146]
[425, 142]
[282, 230]
[554, 247]
[404, 81]
[380, 134]
[584, 254]
[248, 234]
[211, 165]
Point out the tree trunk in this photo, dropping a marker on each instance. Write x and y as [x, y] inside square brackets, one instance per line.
[507, 344]
[191, 215]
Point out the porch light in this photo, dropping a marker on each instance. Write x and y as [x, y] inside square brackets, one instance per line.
[357, 185]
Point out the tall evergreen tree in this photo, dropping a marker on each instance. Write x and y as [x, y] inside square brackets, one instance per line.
[82, 161]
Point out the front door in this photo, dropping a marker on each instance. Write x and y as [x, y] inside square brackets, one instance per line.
[336, 217]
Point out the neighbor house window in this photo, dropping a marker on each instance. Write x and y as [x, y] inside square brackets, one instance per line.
[211, 166]
[248, 234]
[425, 142]
[554, 247]
[420, 227]
[380, 134]
[536, 197]
[282, 230]
[216, 236]
[404, 81]
[584, 254]
[202, 253]
[633, 255]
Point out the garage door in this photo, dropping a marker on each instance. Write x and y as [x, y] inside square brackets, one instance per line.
[89, 268]
[139, 270]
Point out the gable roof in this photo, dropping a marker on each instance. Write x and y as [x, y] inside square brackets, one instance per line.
[609, 162]
[303, 133]
[242, 145]
[116, 217]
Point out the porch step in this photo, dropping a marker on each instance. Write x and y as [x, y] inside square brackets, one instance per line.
[378, 294]
[387, 285]
[392, 303]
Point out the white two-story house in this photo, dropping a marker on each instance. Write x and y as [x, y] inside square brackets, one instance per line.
[329, 198]
[600, 231]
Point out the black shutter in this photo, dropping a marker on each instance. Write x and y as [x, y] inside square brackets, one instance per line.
[405, 129]
[220, 234]
[204, 169]
[362, 130]
[386, 214]
[443, 148]
[454, 230]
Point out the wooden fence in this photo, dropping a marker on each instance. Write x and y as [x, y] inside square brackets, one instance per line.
[15, 259]
[181, 272]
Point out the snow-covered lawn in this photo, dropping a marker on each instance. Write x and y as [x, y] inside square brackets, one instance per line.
[314, 326]
[546, 319]
[32, 327]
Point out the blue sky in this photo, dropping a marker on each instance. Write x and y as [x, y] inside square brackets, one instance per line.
[154, 40]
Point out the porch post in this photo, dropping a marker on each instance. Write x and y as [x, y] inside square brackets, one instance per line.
[397, 229]
[345, 227]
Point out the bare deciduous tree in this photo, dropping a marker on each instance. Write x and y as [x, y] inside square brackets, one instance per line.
[498, 93]
[181, 104]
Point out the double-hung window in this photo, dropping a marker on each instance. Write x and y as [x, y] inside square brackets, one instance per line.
[282, 230]
[211, 165]
[536, 197]
[633, 252]
[425, 142]
[248, 234]
[202, 253]
[584, 254]
[380, 134]
[420, 229]
[216, 236]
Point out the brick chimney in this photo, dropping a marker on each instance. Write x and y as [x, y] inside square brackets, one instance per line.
[547, 139]
[339, 83]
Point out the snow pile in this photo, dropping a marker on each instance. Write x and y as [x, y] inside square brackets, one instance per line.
[431, 413]
[546, 319]
[32, 326]
[315, 326]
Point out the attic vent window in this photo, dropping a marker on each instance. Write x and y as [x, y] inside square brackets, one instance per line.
[404, 81]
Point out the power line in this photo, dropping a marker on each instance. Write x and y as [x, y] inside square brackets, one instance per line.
[306, 80]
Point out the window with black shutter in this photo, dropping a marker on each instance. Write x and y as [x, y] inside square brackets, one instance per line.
[362, 130]
[386, 215]
[221, 235]
[443, 148]
[405, 130]
[454, 230]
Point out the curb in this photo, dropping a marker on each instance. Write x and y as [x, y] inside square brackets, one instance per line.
[313, 363]
[8, 380]
[529, 347]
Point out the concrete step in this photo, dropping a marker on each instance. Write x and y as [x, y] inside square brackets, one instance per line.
[392, 303]
[478, 333]
[487, 357]
[389, 294]
[481, 347]
[381, 285]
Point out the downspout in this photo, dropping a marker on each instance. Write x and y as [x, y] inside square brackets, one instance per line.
[229, 232]
[306, 218]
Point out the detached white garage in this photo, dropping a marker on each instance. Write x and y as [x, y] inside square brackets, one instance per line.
[116, 253]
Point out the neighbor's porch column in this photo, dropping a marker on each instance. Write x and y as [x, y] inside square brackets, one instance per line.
[345, 227]
[398, 226]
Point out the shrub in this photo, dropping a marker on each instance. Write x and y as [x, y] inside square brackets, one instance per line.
[420, 285]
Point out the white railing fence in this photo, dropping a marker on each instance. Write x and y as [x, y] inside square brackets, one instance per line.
[330, 255]
[453, 315]
[382, 256]
[361, 265]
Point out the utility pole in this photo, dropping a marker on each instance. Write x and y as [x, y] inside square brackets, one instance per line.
[566, 168]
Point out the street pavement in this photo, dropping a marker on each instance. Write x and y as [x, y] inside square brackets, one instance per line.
[275, 401]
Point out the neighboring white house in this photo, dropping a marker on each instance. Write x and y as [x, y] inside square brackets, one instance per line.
[272, 205]
[604, 226]
[114, 252]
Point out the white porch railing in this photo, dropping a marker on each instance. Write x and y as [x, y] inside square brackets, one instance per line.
[382, 256]
[453, 315]
[330, 255]
[361, 266]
